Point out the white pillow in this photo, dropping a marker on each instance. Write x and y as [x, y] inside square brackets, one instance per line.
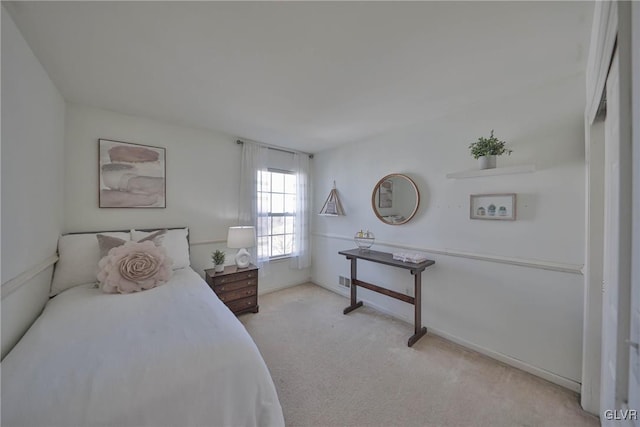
[78, 255]
[175, 243]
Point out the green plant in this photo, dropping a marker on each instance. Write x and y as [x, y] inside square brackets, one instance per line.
[491, 146]
[218, 257]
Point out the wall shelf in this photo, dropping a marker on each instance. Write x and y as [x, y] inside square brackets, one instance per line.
[476, 173]
[332, 206]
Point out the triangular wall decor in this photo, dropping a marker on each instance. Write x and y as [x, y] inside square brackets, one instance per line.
[332, 206]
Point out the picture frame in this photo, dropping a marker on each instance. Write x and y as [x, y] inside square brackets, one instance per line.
[385, 194]
[494, 207]
[331, 208]
[131, 175]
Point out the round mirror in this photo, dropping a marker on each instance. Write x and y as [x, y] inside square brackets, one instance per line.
[395, 199]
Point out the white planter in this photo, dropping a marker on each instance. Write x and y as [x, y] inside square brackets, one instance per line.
[219, 268]
[487, 162]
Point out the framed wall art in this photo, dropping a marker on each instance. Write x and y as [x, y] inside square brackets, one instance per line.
[501, 207]
[131, 175]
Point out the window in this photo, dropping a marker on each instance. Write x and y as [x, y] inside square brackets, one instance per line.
[276, 213]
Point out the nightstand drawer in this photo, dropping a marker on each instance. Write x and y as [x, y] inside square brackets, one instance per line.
[237, 294]
[243, 304]
[230, 286]
[236, 287]
[221, 280]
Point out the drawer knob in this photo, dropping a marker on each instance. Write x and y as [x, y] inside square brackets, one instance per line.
[248, 302]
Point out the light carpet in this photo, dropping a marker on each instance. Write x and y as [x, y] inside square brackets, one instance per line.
[356, 370]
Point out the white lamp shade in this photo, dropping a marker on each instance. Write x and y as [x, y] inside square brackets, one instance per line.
[241, 237]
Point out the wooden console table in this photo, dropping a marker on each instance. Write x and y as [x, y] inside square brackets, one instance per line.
[386, 258]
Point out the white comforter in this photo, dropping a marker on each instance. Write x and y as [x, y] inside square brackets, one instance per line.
[169, 356]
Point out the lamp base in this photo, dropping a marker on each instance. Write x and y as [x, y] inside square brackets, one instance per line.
[243, 258]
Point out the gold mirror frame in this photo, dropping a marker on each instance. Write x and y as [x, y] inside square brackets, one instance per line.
[377, 188]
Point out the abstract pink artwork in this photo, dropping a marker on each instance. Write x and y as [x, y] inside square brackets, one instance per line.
[131, 175]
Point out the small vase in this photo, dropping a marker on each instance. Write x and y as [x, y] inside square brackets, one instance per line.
[487, 162]
[364, 240]
[219, 268]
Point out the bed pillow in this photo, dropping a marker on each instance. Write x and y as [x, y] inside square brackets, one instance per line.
[134, 267]
[174, 241]
[78, 257]
[106, 243]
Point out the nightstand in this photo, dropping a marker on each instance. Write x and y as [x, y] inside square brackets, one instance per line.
[236, 287]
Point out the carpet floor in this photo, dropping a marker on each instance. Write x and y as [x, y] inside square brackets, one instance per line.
[356, 370]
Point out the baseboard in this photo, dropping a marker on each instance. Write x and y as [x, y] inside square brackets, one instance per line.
[280, 287]
[508, 360]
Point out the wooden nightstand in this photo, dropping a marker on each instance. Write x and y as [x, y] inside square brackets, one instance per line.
[236, 287]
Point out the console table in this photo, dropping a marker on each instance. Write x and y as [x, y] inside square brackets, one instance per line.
[386, 258]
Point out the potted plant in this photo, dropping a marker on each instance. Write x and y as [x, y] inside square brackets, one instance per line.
[218, 260]
[486, 150]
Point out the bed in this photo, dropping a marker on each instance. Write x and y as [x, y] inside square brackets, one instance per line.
[173, 355]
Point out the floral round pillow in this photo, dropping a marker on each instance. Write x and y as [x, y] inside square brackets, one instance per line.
[134, 267]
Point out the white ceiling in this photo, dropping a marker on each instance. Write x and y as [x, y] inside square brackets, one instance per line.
[305, 75]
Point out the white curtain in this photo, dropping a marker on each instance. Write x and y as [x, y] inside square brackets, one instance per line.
[254, 160]
[301, 245]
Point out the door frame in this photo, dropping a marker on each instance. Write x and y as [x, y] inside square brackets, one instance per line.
[634, 390]
[603, 40]
[612, 28]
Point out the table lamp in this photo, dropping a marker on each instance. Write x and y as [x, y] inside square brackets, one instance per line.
[242, 237]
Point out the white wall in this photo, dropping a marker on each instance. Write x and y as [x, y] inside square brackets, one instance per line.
[527, 316]
[32, 179]
[203, 170]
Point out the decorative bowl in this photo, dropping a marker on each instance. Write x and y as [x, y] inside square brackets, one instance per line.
[364, 240]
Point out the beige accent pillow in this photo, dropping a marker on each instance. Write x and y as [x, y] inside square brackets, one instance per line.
[156, 237]
[106, 243]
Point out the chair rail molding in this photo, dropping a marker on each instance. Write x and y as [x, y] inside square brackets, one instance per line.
[522, 262]
[208, 242]
[14, 284]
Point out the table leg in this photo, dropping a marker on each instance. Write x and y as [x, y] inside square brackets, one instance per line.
[354, 295]
[418, 329]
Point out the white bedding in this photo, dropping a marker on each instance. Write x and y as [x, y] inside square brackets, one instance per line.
[170, 356]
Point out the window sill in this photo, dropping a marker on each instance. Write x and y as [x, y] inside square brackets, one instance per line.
[280, 258]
